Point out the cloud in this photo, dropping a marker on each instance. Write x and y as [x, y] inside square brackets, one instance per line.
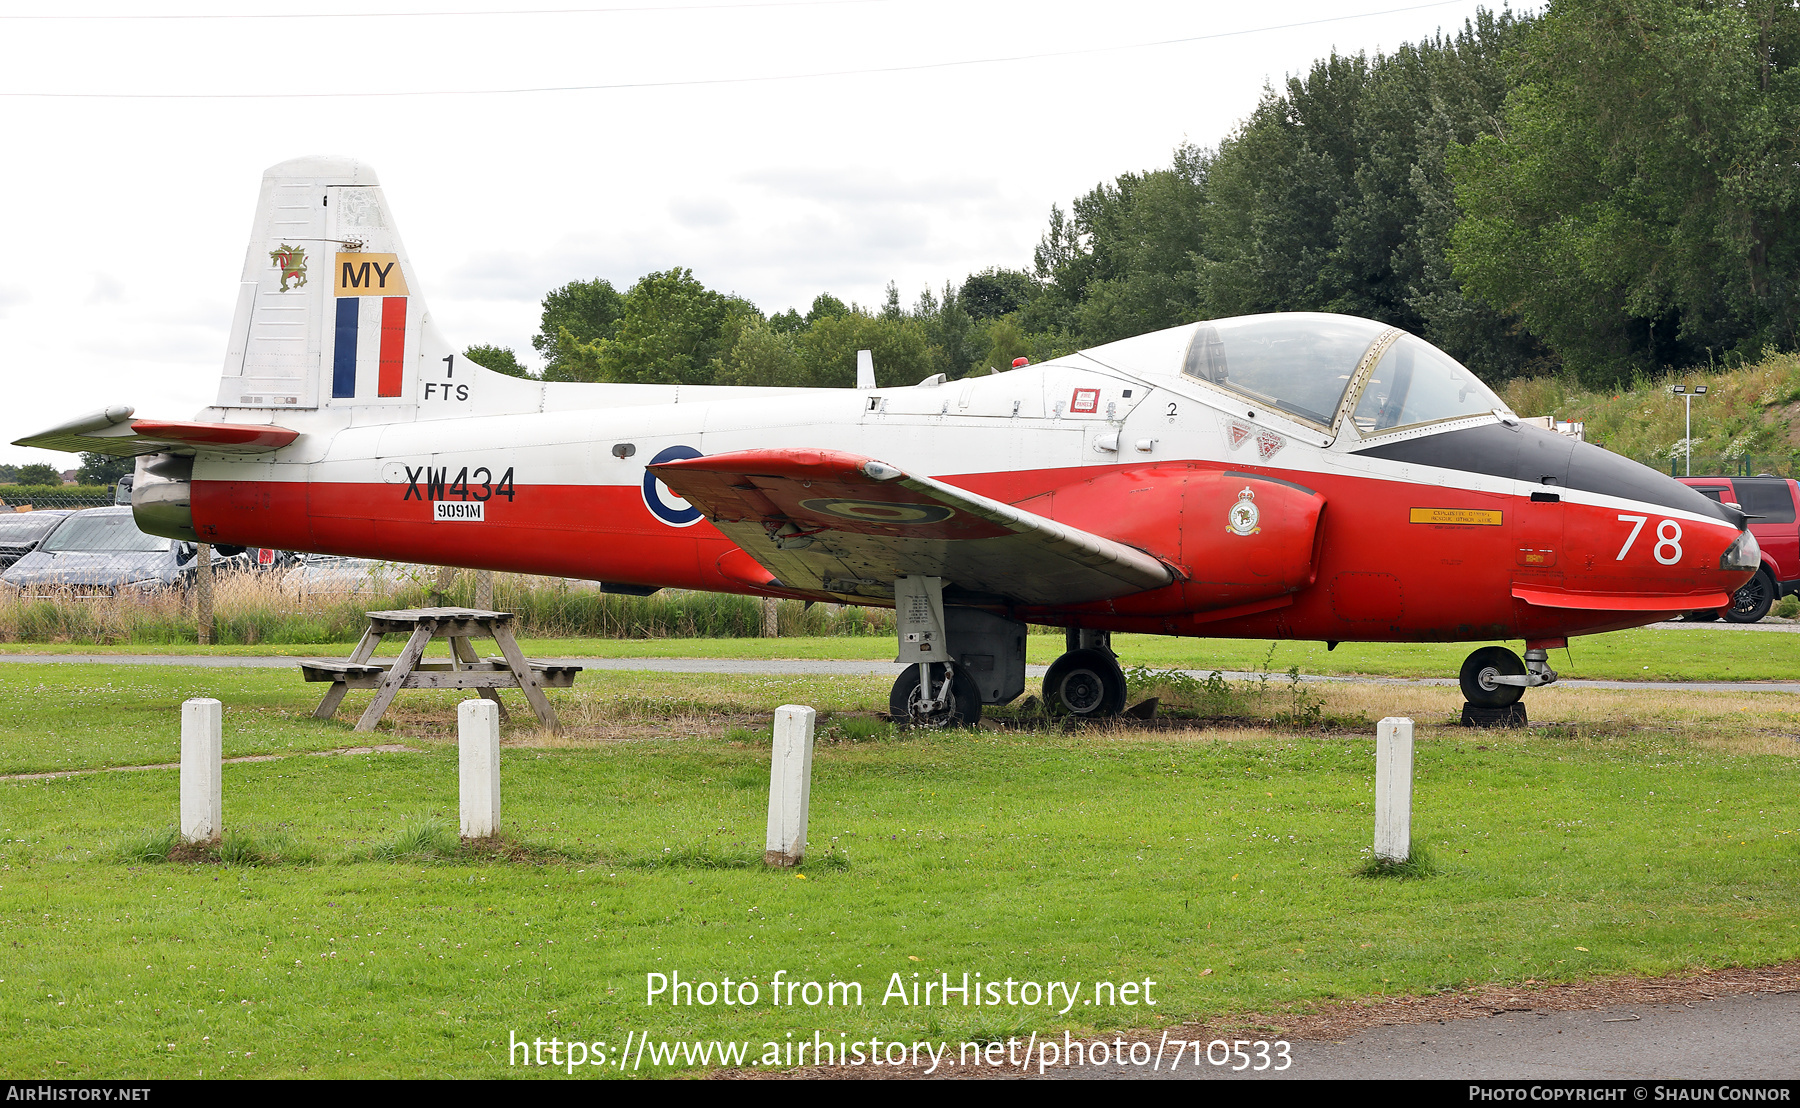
[497, 275]
[840, 187]
[701, 211]
[107, 290]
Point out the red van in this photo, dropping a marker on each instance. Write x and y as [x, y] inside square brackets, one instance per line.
[1769, 502]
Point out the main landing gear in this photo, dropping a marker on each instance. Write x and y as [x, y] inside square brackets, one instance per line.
[934, 694]
[1086, 681]
[957, 658]
[1494, 678]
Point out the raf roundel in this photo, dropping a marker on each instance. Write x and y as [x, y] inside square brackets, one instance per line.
[881, 511]
[663, 504]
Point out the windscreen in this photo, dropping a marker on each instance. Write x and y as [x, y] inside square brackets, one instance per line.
[19, 528]
[102, 533]
[1415, 382]
[1297, 362]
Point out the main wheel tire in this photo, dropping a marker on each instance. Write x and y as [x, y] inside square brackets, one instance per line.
[964, 709]
[1085, 683]
[1478, 672]
[1752, 602]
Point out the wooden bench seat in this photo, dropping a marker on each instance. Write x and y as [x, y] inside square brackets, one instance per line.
[512, 670]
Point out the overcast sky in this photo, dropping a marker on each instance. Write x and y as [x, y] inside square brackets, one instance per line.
[130, 216]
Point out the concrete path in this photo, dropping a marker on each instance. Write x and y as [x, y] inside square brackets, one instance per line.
[1730, 1038]
[1721, 625]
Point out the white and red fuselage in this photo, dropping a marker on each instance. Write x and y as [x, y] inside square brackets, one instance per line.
[345, 424]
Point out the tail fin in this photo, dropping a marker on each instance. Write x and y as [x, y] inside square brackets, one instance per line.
[328, 313]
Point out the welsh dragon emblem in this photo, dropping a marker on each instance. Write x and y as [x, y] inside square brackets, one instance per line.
[292, 260]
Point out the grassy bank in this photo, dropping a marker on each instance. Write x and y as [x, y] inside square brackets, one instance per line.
[1635, 835]
[1749, 417]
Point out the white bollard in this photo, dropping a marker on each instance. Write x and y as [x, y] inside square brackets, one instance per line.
[1393, 789]
[790, 785]
[202, 751]
[478, 767]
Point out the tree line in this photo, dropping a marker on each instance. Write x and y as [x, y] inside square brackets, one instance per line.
[669, 328]
[1604, 190]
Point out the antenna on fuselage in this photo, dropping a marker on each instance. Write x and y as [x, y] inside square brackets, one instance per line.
[865, 370]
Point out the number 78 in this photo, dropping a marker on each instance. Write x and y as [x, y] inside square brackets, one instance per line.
[1668, 538]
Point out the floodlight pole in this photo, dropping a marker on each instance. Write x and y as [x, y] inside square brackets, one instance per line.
[1688, 438]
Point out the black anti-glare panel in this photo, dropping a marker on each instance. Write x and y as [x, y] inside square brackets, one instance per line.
[1542, 457]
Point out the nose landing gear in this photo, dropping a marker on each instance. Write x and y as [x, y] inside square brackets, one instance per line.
[1494, 678]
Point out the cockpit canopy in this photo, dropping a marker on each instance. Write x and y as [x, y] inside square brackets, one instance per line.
[1327, 370]
[1306, 364]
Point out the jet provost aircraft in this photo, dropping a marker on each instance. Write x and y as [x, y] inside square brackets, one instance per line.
[1291, 476]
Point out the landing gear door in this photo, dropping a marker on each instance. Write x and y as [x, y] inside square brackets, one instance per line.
[990, 649]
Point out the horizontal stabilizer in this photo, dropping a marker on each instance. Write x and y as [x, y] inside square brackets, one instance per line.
[1619, 602]
[828, 521]
[113, 431]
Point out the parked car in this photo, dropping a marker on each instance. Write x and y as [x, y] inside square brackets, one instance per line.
[329, 574]
[20, 532]
[1769, 502]
[100, 551]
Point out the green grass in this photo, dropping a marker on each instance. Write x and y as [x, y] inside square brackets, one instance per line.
[88, 716]
[368, 942]
[1643, 654]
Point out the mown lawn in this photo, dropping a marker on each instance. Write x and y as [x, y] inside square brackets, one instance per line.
[1643, 654]
[1557, 853]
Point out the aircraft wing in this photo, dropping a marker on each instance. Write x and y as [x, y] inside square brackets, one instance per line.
[828, 521]
[113, 431]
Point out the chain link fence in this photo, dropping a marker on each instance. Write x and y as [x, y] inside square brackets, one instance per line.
[36, 498]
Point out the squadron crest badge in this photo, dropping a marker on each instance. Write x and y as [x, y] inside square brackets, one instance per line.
[1243, 516]
[292, 260]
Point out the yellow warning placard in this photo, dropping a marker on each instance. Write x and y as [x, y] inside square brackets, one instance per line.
[1456, 517]
[369, 275]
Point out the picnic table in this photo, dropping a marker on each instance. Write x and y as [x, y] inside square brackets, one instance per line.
[464, 670]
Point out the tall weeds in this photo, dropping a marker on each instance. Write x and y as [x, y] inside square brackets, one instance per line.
[252, 608]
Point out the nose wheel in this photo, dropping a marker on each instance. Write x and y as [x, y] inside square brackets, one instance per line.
[1479, 673]
[1495, 677]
